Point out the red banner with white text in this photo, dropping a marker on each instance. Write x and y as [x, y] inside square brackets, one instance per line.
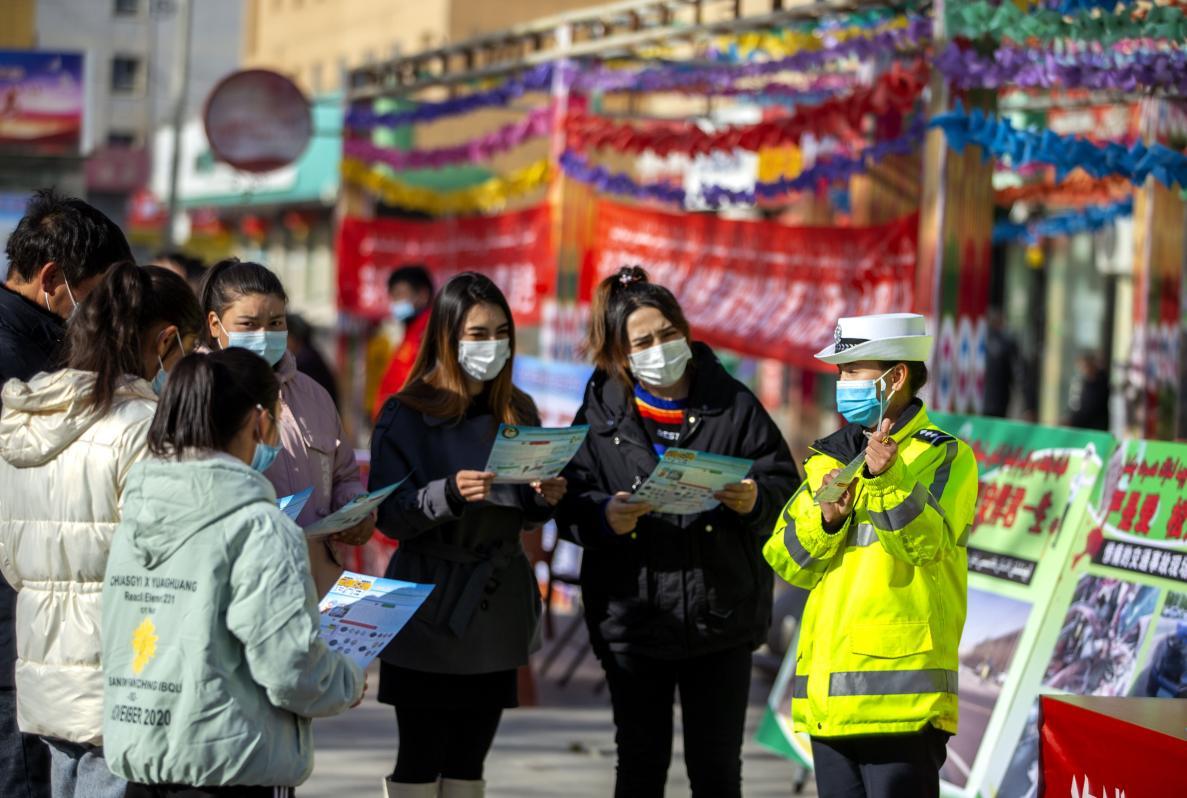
[760, 288]
[513, 249]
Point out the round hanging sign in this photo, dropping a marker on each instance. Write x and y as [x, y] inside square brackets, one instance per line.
[257, 120]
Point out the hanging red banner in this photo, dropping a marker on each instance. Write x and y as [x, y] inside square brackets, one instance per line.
[513, 249]
[760, 288]
[1098, 747]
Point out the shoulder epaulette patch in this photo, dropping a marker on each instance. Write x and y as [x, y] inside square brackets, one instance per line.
[934, 436]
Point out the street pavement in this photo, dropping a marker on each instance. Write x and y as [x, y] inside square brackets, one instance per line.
[563, 746]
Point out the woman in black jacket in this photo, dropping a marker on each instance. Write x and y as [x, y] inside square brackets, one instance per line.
[671, 601]
[452, 670]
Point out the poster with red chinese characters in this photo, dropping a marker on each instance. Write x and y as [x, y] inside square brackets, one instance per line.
[1037, 488]
[513, 249]
[1117, 619]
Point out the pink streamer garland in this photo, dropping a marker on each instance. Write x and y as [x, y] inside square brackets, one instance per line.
[482, 148]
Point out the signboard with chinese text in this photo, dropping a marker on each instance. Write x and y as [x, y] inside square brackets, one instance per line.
[1115, 624]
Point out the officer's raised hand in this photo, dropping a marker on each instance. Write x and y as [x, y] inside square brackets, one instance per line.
[835, 513]
[882, 449]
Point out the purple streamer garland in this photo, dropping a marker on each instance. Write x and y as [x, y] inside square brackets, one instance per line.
[832, 170]
[538, 78]
[714, 79]
[1091, 69]
[536, 124]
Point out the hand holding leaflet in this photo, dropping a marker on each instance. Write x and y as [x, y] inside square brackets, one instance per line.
[834, 488]
[529, 454]
[684, 481]
[361, 614]
[293, 505]
[352, 514]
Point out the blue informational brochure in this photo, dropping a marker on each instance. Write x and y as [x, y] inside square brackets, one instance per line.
[362, 614]
[352, 514]
[293, 505]
[527, 454]
[685, 480]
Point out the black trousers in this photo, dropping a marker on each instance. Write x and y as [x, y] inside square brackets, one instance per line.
[24, 758]
[443, 742]
[714, 690]
[880, 766]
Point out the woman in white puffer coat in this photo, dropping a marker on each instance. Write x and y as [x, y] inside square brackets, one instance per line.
[67, 440]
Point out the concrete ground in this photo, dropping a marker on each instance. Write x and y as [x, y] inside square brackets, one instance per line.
[563, 746]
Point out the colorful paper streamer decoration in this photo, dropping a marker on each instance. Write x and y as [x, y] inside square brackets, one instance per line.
[1078, 189]
[790, 41]
[577, 167]
[713, 79]
[1069, 7]
[538, 78]
[895, 92]
[481, 148]
[1007, 21]
[492, 195]
[998, 138]
[1060, 225]
[1030, 68]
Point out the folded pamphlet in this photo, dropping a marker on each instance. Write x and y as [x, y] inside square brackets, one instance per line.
[685, 480]
[527, 454]
[361, 614]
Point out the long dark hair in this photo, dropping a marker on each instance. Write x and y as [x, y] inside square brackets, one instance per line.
[617, 297]
[437, 384]
[228, 281]
[107, 333]
[207, 398]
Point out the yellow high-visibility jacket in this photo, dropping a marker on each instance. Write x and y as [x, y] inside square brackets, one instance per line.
[879, 638]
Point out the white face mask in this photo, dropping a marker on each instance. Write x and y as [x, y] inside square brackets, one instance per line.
[69, 293]
[662, 365]
[484, 360]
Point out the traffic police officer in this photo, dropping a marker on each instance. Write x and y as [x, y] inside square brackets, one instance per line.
[876, 670]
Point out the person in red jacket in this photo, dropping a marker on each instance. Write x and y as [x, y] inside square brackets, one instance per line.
[411, 290]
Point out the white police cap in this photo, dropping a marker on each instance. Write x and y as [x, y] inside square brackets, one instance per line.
[898, 337]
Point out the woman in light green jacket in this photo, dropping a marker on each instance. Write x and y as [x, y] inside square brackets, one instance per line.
[211, 653]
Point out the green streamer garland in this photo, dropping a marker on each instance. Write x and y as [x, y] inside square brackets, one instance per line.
[1006, 21]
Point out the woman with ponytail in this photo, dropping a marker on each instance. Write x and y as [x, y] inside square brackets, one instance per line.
[452, 671]
[246, 307]
[211, 651]
[67, 441]
[671, 601]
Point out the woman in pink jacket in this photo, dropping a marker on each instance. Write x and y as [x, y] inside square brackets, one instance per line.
[245, 306]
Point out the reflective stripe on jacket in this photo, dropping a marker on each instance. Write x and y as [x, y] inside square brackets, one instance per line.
[880, 633]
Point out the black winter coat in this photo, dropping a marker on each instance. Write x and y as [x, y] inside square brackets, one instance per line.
[30, 340]
[679, 586]
[483, 613]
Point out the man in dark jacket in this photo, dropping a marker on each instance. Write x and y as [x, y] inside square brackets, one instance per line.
[58, 253]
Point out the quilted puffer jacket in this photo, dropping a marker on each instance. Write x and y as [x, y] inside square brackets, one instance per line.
[62, 472]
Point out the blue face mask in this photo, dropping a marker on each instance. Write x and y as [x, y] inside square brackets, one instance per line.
[158, 382]
[265, 455]
[403, 310]
[270, 345]
[858, 402]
